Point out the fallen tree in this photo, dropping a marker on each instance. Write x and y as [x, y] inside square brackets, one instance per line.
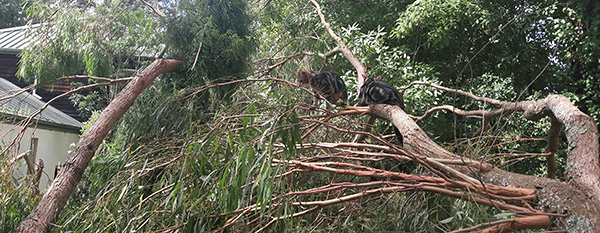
[536, 202]
[581, 202]
[533, 202]
[55, 198]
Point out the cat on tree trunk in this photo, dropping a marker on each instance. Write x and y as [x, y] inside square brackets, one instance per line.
[327, 84]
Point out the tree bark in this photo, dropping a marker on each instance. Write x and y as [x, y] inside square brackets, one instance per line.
[578, 196]
[529, 222]
[55, 198]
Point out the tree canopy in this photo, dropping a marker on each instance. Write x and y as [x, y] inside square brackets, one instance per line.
[12, 13]
[230, 142]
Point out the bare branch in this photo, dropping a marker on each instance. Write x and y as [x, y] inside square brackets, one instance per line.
[197, 90]
[199, 47]
[475, 113]
[153, 9]
[360, 69]
[515, 224]
[12, 94]
[460, 92]
[552, 146]
[367, 128]
[37, 175]
[503, 193]
[348, 110]
[18, 157]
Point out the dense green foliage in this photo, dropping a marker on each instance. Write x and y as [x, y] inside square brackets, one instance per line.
[103, 42]
[16, 200]
[12, 13]
[185, 153]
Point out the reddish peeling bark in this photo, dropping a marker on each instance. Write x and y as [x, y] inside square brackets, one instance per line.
[578, 196]
[517, 224]
[49, 208]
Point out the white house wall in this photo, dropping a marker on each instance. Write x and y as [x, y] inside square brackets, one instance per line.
[52, 148]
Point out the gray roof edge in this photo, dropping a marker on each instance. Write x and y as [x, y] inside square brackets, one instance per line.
[42, 124]
[10, 51]
[18, 28]
[50, 114]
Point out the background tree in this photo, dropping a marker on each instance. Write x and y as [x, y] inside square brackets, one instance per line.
[12, 13]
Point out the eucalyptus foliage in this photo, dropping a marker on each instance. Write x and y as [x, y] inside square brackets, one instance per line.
[12, 13]
[213, 39]
[16, 199]
[102, 41]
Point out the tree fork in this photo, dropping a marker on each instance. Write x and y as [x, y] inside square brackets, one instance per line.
[55, 198]
[361, 70]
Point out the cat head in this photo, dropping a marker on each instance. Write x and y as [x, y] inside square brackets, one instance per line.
[304, 77]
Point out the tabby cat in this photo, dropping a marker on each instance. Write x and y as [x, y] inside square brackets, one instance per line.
[375, 92]
[327, 84]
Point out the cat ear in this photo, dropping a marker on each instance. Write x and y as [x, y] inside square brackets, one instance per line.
[377, 78]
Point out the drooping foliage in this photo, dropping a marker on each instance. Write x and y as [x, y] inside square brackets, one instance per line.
[214, 41]
[16, 200]
[88, 42]
[213, 38]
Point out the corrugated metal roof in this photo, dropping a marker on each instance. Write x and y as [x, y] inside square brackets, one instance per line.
[24, 104]
[14, 39]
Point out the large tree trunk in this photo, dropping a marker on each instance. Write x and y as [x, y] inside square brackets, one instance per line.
[49, 208]
[578, 196]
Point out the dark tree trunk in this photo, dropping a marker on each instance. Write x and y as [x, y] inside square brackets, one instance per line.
[49, 208]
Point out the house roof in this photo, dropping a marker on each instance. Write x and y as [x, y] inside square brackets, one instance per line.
[24, 104]
[14, 40]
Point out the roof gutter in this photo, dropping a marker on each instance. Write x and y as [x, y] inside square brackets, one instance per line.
[41, 124]
[10, 51]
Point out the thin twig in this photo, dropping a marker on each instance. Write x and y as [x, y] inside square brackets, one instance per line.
[199, 47]
[153, 9]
